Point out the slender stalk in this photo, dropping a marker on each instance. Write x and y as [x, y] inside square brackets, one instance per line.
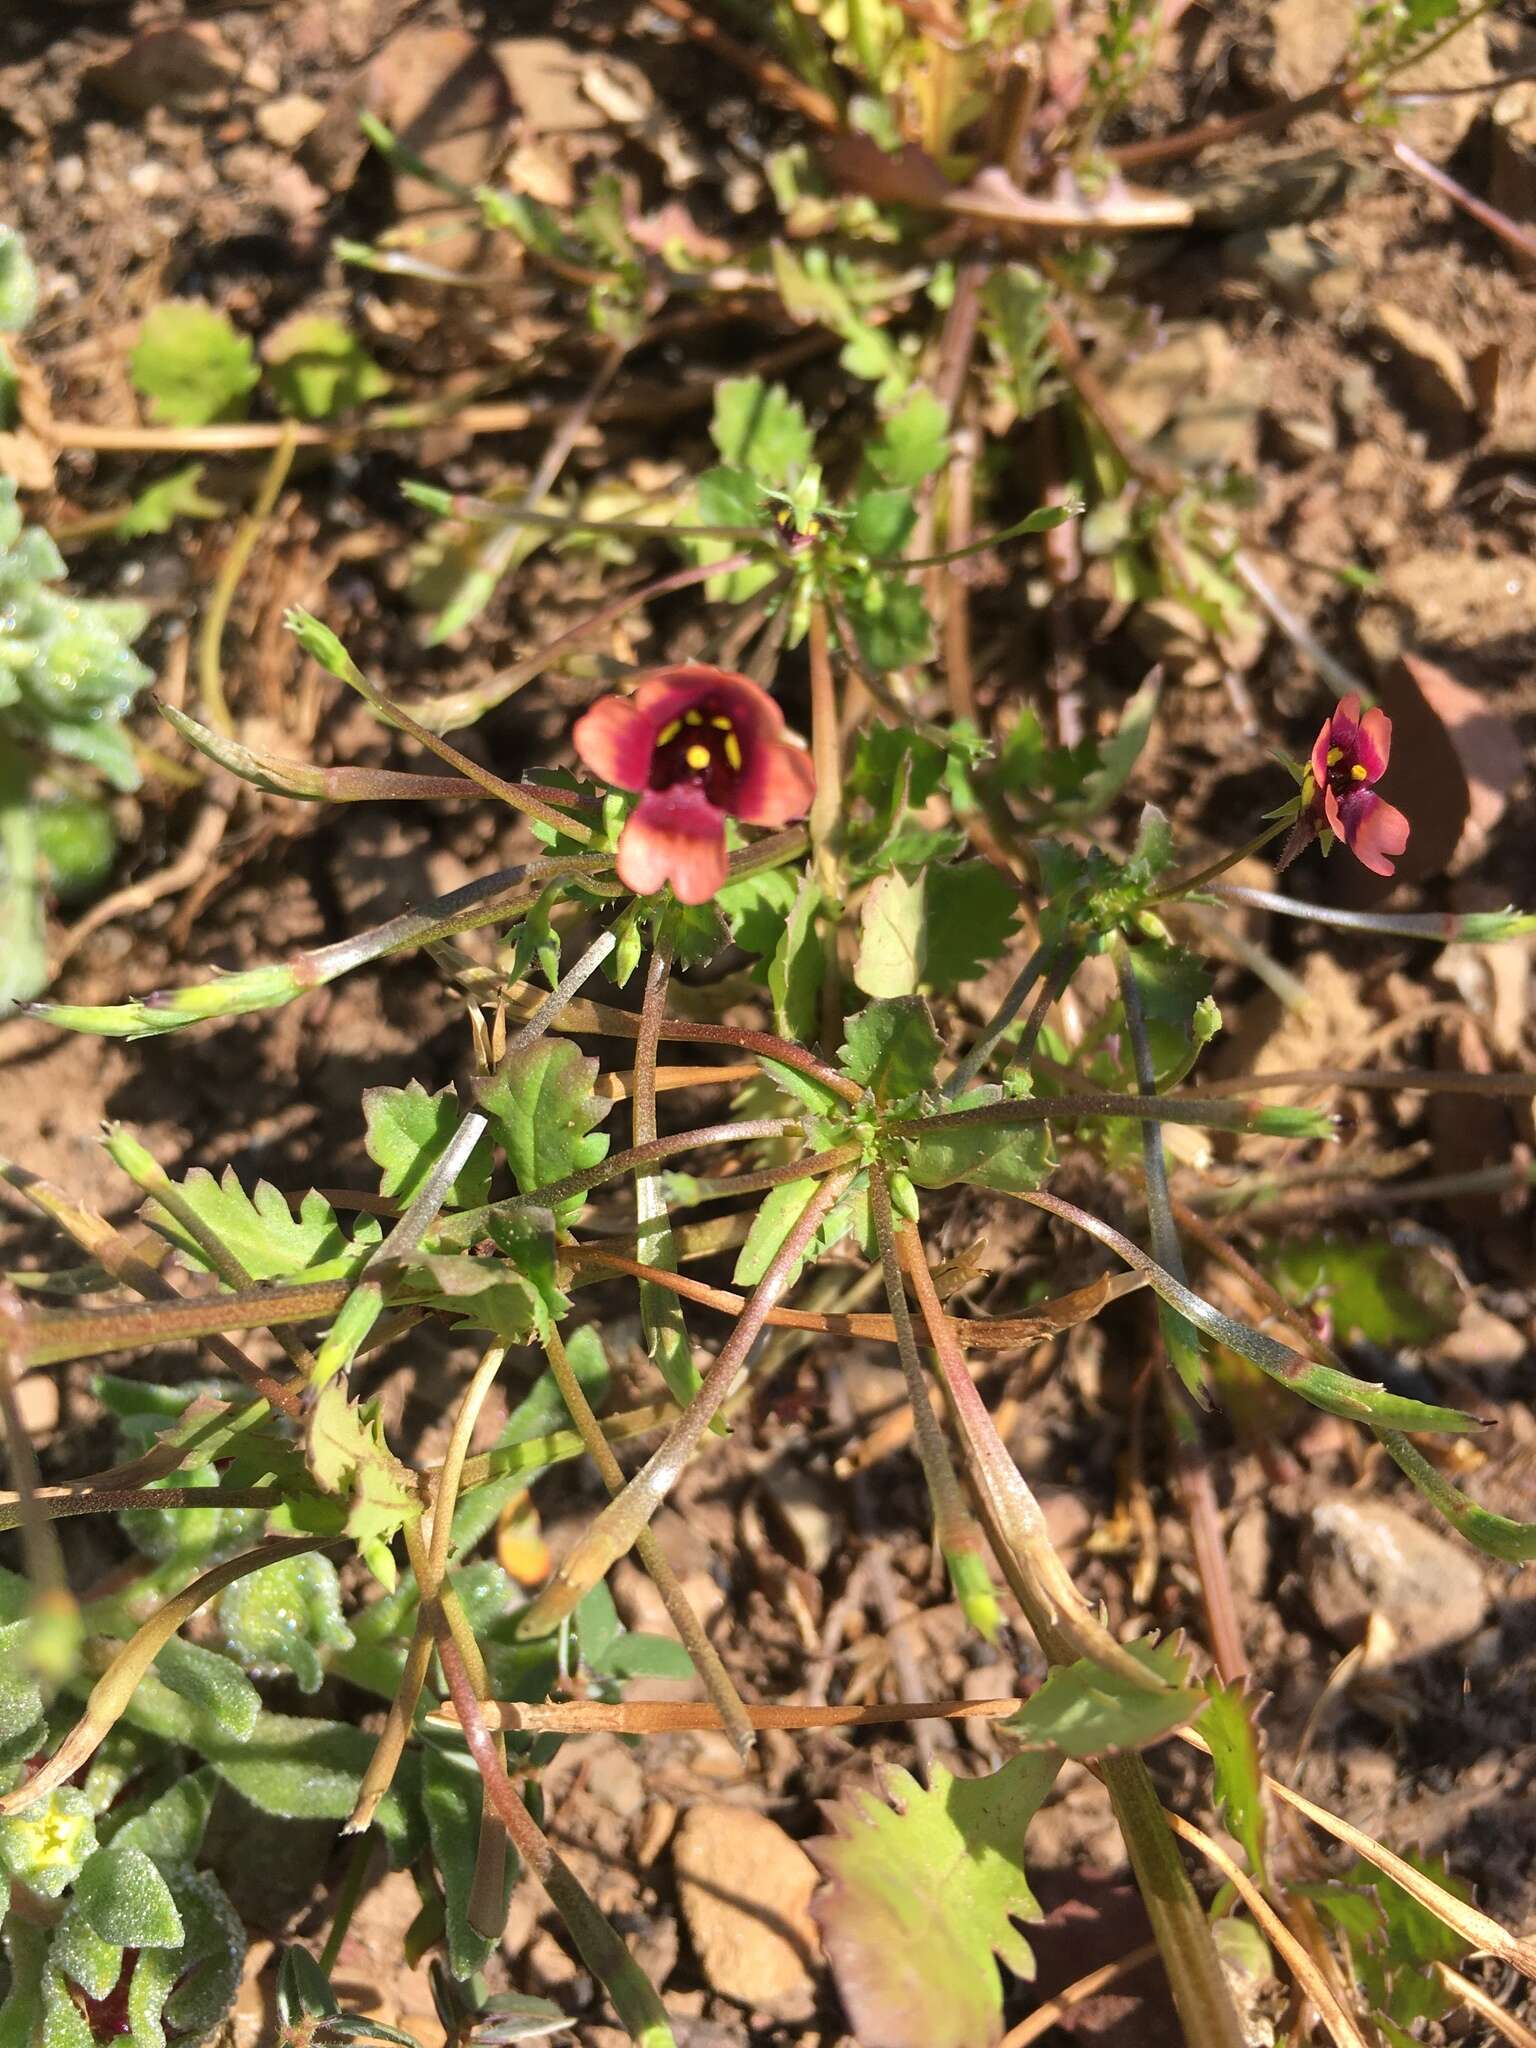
[954, 1527]
[615, 1530]
[826, 759]
[966, 1072]
[598, 1945]
[661, 1312]
[1182, 885]
[725, 1699]
[346, 1903]
[210, 639]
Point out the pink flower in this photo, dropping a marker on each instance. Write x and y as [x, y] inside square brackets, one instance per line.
[1349, 754]
[701, 745]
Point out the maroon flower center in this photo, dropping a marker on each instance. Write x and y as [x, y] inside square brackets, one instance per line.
[700, 748]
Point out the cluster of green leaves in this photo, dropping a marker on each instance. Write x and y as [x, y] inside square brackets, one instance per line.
[68, 677]
[125, 1935]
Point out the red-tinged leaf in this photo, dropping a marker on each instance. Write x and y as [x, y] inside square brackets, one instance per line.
[921, 1902]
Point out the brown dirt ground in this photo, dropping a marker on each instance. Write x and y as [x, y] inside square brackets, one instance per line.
[120, 207]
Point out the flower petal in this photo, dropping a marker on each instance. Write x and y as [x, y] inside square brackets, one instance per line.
[614, 740]
[1373, 829]
[1331, 812]
[1373, 746]
[673, 835]
[776, 784]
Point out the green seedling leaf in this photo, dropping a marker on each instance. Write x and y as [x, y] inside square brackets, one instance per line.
[921, 1902]
[124, 1899]
[172, 1829]
[1084, 1710]
[758, 427]
[196, 1986]
[157, 508]
[311, 1769]
[408, 1130]
[348, 1456]
[545, 1115]
[451, 1795]
[283, 1617]
[1373, 1291]
[797, 968]
[479, 1293]
[46, 1846]
[891, 1049]
[215, 1685]
[1229, 1726]
[262, 1232]
[191, 365]
[303, 1989]
[318, 369]
[79, 1954]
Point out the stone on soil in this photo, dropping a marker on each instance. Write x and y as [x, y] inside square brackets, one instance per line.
[745, 1889]
[1364, 1557]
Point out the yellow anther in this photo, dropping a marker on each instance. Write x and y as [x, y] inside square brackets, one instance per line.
[1358, 771]
[721, 724]
[697, 757]
[693, 718]
[669, 733]
[733, 752]
[1335, 756]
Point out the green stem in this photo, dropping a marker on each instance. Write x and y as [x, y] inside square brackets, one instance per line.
[1183, 884]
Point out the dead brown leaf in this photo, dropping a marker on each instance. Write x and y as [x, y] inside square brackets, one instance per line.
[1454, 763]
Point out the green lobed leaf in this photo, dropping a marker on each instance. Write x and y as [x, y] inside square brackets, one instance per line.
[201, 1981]
[1495, 1535]
[191, 364]
[348, 1456]
[80, 1954]
[921, 1901]
[124, 1898]
[1010, 1158]
[913, 442]
[1083, 1710]
[760, 428]
[971, 909]
[545, 1115]
[262, 1232]
[408, 1130]
[891, 1048]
